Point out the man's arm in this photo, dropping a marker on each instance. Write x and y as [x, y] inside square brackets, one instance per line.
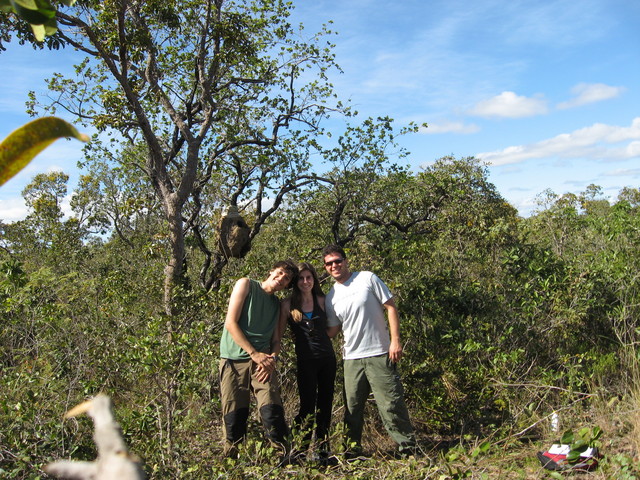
[395, 349]
[332, 331]
[266, 363]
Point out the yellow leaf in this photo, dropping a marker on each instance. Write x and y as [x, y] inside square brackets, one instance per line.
[22, 145]
[38, 32]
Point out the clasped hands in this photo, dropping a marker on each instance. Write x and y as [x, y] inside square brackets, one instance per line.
[266, 365]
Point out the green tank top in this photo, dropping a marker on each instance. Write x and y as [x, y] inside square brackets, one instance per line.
[258, 319]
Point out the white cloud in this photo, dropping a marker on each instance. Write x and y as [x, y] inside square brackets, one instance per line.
[626, 172]
[590, 93]
[65, 206]
[599, 141]
[633, 149]
[450, 127]
[12, 209]
[510, 105]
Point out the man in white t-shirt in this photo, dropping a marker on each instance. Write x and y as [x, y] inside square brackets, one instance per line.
[356, 304]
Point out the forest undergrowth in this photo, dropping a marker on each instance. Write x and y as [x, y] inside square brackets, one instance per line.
[505, 321]
[498, 455]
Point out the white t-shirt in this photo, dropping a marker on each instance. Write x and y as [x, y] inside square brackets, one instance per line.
[357, 305]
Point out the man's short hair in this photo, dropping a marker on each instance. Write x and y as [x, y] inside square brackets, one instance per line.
[333, 249]
[289, 267]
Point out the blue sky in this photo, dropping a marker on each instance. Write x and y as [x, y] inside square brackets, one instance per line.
[547, 92]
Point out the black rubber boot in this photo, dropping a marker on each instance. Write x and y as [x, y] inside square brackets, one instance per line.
[276, 428]
[235, 424]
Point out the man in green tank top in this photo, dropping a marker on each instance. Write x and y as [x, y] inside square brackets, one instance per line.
[249, 348]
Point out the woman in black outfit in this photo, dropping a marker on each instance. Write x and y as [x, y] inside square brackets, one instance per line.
[316, 360]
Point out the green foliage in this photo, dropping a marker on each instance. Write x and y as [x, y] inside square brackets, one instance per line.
[460, 463]
[40, 14]
[625, 467]
[225, 112]
[504, 319]
[580, 441]
[502, 323]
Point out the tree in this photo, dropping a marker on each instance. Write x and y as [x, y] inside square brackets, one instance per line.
[216, 93]
[116, 198]
[630, 196]
[355, 192]
[45, 238]
[44, 196]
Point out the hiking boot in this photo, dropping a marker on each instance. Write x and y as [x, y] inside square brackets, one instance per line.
[407, 452]
[230, 450]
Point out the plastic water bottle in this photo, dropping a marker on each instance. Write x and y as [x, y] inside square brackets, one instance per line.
[555, 422]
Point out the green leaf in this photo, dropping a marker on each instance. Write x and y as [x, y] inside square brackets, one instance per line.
[584, 431]
[22, 145]
[567, 437]
[50, 27]
[39, 32]
[580, 445]
[596, 433]
[573, 456]
[34, 13]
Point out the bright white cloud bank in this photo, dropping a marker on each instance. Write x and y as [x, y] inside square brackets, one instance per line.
[511, 105]
[599, 141]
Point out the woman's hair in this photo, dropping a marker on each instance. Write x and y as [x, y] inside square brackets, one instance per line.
[296, 295]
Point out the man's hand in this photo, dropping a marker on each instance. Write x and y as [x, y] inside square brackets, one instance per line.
[266, 365]
[395, 351]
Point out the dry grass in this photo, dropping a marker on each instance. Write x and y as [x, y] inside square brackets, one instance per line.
[510, 457]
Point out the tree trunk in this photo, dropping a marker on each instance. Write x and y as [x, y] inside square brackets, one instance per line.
[174, 271]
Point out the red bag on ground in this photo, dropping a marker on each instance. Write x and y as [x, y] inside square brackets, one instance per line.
[556, 458]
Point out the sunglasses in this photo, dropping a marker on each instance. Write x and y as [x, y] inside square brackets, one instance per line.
[311, 325]
[337, 261]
